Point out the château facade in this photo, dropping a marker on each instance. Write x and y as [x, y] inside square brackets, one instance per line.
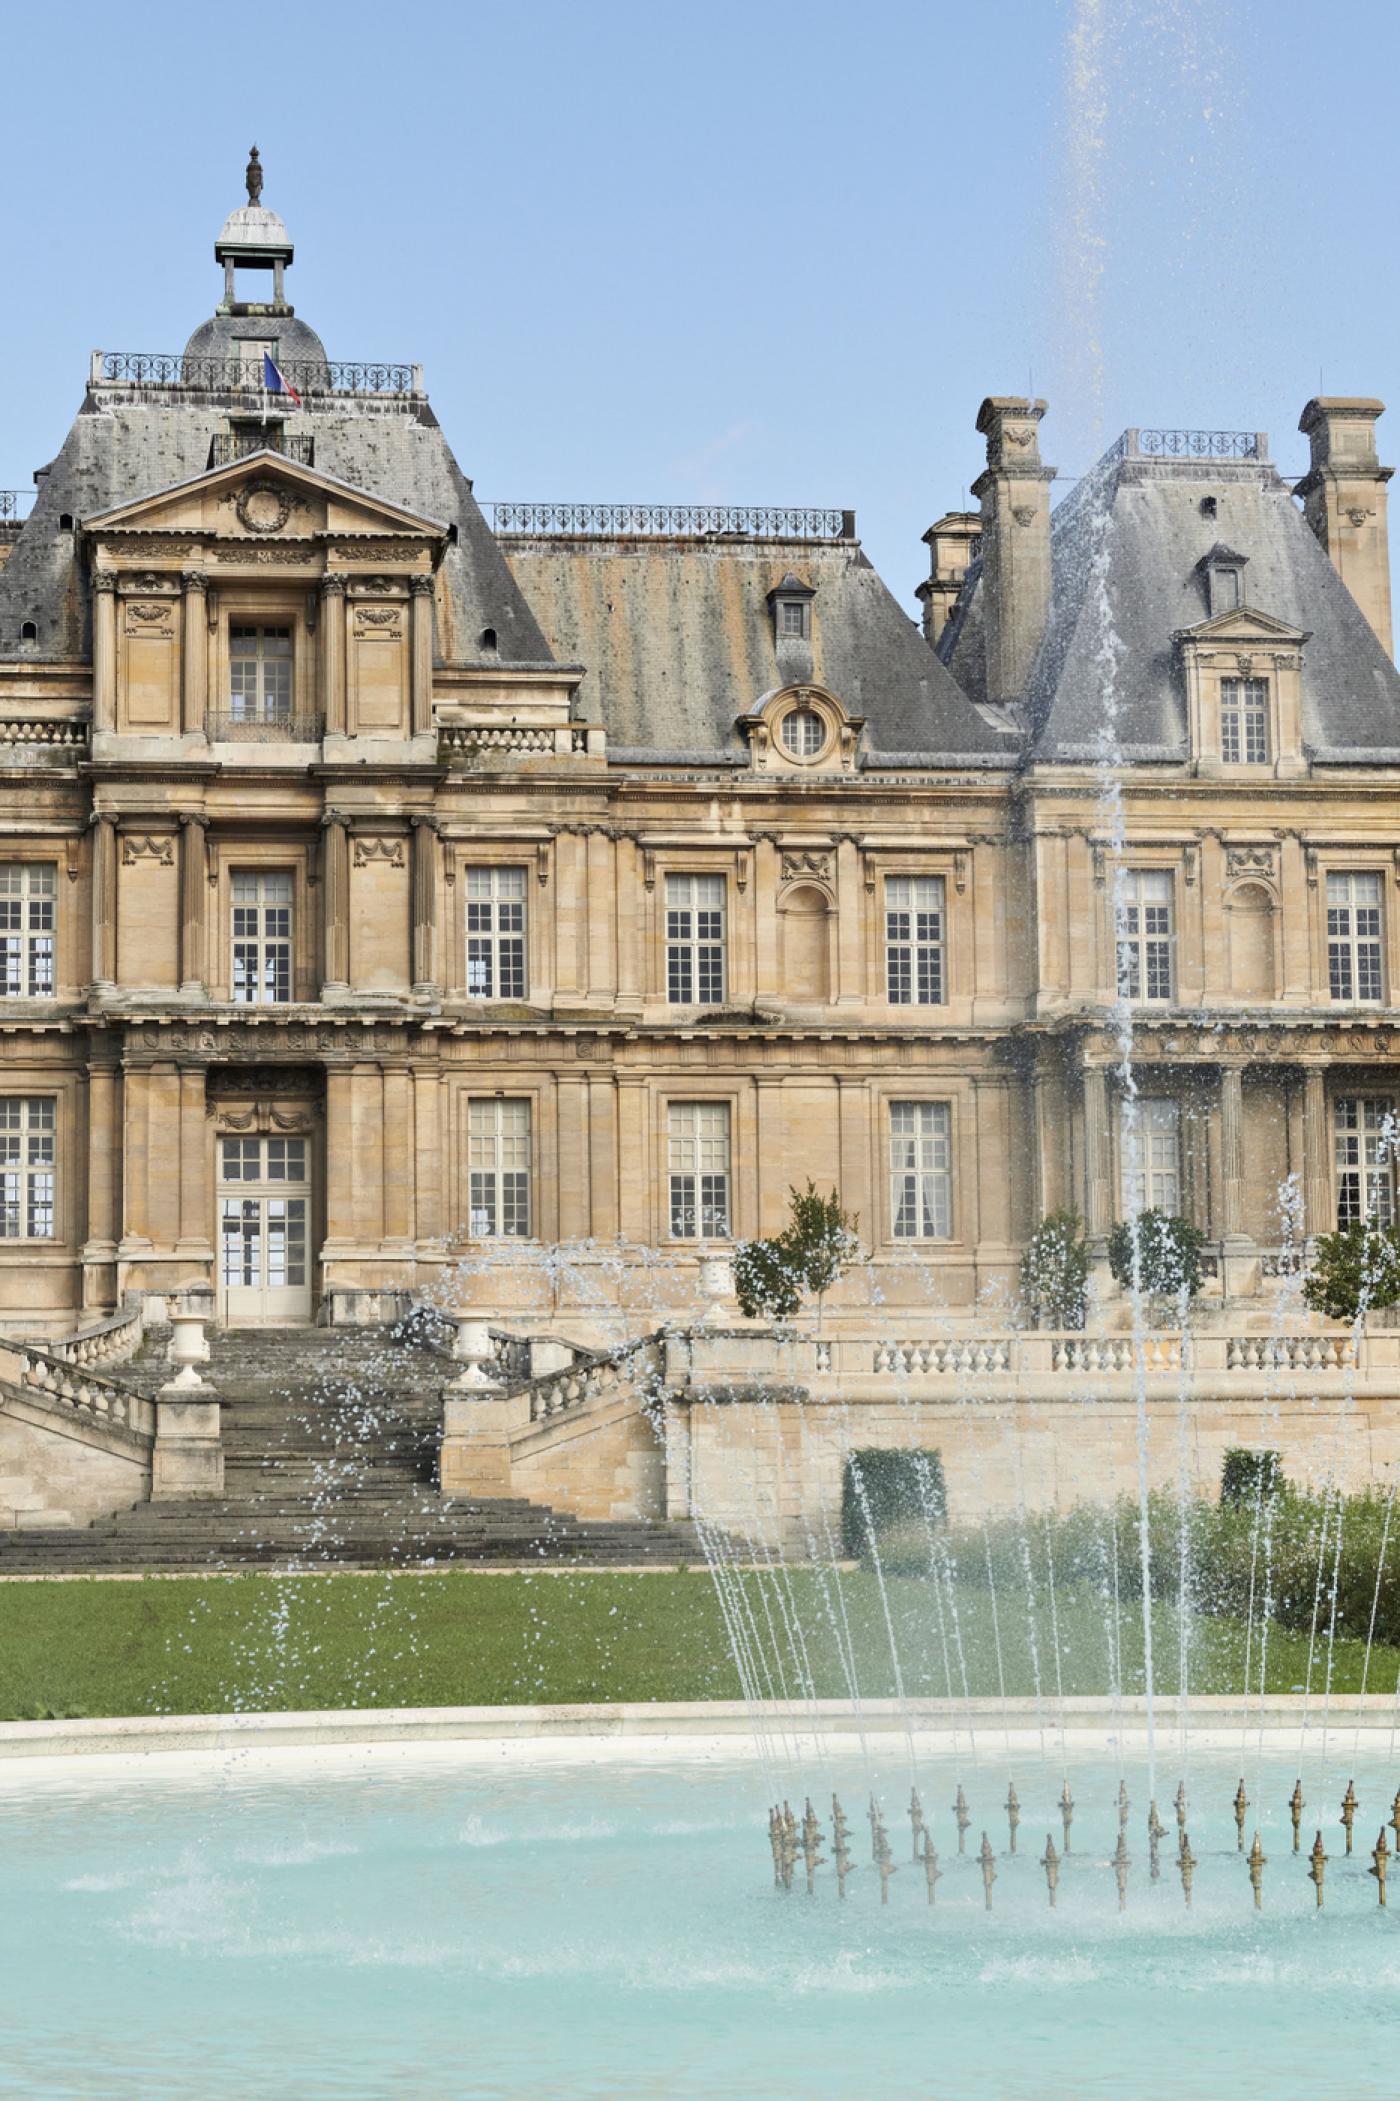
[386, 889]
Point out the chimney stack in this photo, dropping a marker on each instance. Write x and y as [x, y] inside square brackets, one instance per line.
[1344, 501]
[953, 541]
[1015, 496]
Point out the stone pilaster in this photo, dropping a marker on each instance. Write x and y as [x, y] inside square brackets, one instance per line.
[104, 903]
[333, 653]
[103, 1163]
[1231, 1152]
[193, 891]
[104, 650]
[1098, 1153]
[335, 904]
[421, 645]
[194, 652]
[425, 890]
[1319, 1210]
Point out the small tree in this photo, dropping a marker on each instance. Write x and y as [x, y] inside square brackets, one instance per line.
[1247, 1477]
[819, 1243]
[1168, 1254]
[1055, 1271]
[888, 1493]
[1353, 1269]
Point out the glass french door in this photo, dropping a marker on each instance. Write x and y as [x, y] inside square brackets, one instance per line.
[264, 1198]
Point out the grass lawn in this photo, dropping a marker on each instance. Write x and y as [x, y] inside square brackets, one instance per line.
[210, 1644]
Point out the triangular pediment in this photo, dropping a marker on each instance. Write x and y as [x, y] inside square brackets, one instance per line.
[260, 496]
[1245, 623]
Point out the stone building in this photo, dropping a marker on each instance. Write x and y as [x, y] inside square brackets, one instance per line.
[388, 891]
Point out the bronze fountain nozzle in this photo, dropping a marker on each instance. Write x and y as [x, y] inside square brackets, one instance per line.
[811, 1845]
[1050, 1861]
[1380, 1854]
[932, 1872]
[1066, 1810]
[916, 1819]
[1348, 1816]
[1258, 1861]
[1013, 1812]
[1124, 1805]
[1395, 1817]
[1295, 1809]
[964, 1817]
[1181, 1807]
[1186, 1863]
[1121, 1865]
[989, 1872]
[1317, 1867]
[1241, 1808]
[1156, 1830]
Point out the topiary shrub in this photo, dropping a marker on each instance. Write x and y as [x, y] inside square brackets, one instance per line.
[1168, 1254]
[1055, 1271]
[1354, 1269]
[820, 1241]
[1247, 1477]
[888, 1493]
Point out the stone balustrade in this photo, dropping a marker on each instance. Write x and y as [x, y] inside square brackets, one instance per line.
[105, 1342]
[87, 1393]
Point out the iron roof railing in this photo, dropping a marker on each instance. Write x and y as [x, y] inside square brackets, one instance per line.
[674, 520]
[14, 503]
[1192, 444]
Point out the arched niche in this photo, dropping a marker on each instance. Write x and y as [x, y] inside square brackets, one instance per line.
[805, 914]
[1249, 921]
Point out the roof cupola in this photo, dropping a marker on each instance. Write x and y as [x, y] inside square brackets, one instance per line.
[253, 238]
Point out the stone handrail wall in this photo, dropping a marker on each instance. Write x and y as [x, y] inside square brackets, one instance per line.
[87, 1393]
[106, 1342]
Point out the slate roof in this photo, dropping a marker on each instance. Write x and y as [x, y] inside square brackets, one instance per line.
[678, 639]
[124, 446]
[1127, 549]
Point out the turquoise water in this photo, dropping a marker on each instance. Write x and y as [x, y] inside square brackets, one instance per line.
[391, 1927]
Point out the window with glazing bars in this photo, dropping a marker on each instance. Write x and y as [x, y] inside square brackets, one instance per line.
[1366, 1142]
[921, 1170]
[914, 958]
[262, 939]
[1145, 934]
[695, 940]
[698, 1169]
[495, 933]
[1244, 721]
[260, 674]
[27, 1139]
[1354, 936]
[1149, 1156]
[498, 1164]
[28, 902]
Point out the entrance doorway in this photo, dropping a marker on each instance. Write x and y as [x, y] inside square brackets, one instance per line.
[264, 1198]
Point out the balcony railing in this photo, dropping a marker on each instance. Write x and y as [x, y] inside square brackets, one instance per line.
[691, 521]
[221, 375]
[1192, 445]
[222, 726]
[229, 446]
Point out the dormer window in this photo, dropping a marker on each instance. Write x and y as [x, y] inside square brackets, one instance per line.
[1223, 571]
[1244, 721]
[803, 733]
[791, 601]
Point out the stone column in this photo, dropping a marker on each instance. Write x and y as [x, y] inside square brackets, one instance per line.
[398, 1159]
[421, 645]
[104, 650]
[1319, 1209]
[196, 1224]
[104, 903]
[335, 904]
[340, 1160]
[1098, 1212]
[425, 852]
[428, 1153]
[194, 652]
[1231, 1152]
[193, 888]
[333, 653]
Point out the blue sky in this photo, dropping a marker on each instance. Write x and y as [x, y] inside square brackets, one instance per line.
[745, 252]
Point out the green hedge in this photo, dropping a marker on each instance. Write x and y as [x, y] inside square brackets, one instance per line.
[885, 1492]
[1246, 1477]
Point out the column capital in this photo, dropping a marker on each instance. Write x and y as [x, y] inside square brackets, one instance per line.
[423, 821]
[104, 580]
[194, 579]
[334, 817]
[421, 586]
[194, 817]
[332, 585]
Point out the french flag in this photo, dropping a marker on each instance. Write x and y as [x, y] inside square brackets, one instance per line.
[273, 382]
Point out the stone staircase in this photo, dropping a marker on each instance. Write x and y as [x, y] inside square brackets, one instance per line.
[330, 1440]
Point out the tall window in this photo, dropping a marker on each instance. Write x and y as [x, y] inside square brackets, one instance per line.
[698, 1169]
[921, 1170]
[260, 674]
[914, 958]
[28, 901]
[262, 939]
[1367, 1139]
[1244, 721]
[1145, 934]
[695, 940]
[1149, 1156]
[26, 1167]
[498, 1161]
[1354, 936]
[496, 933]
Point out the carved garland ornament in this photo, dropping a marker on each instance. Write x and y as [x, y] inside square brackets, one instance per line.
[376, 847]
[148, 846]
[264, 505]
